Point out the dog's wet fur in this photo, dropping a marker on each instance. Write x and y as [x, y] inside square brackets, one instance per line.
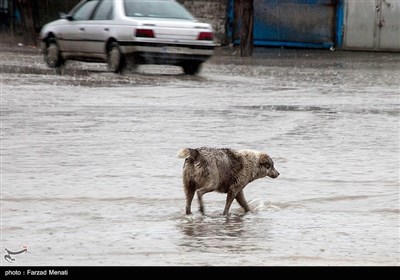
[223, 170]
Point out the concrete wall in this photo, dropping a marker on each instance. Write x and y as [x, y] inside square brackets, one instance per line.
[210, 11]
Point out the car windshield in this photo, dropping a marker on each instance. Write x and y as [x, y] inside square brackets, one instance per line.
[156, 9]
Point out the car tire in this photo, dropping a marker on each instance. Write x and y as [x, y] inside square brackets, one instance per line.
[191, 68]
[52, 55]
[115, 58]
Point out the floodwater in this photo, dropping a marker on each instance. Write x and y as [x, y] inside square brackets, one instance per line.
[89, 173]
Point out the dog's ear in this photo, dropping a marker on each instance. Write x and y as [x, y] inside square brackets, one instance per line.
[264, 158]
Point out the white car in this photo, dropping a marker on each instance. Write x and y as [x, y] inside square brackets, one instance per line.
[122, 32]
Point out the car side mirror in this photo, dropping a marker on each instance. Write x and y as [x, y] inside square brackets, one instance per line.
[66, 16]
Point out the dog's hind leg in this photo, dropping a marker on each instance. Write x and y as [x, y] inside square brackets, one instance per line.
[190, 189]
[200, 199]
[200, 194]
[204, 188]
[242, 201]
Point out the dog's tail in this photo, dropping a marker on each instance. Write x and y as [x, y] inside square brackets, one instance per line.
[184, 153]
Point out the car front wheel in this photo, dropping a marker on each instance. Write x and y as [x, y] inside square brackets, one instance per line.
[52, 55]
[116, 59]
[191, 68]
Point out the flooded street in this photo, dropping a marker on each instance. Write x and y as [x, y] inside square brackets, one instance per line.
[90, 176]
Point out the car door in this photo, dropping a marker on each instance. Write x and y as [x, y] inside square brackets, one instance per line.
[73, 36]
[98, 28]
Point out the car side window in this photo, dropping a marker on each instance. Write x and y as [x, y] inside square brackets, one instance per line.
[84, 12]
[104, 11]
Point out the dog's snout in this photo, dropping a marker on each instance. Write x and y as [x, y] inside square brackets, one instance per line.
[274, 174]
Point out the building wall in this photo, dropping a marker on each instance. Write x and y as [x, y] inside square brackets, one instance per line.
[210, 11]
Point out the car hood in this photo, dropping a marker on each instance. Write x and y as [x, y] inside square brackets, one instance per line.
[52, 24]
[56, 22]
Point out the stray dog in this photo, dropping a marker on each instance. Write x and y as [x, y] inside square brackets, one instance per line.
[222, 170]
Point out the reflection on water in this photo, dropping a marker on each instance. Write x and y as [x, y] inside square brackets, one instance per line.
[236, 234]
[211, 227]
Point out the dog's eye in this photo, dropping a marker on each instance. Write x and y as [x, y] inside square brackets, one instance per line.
[267, 164]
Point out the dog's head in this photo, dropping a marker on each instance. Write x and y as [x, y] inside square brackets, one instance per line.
[266, 167]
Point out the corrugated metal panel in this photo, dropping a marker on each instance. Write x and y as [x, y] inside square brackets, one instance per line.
[389, 38]
[361, 24]
[372, 25]
[295, 22]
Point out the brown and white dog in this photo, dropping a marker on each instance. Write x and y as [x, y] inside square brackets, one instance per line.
[222, 170]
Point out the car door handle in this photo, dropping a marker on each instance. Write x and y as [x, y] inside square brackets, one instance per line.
[82, 29]
[106, 29]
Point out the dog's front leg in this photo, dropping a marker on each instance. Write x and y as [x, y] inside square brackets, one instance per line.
[229, 199]
[242, 201]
